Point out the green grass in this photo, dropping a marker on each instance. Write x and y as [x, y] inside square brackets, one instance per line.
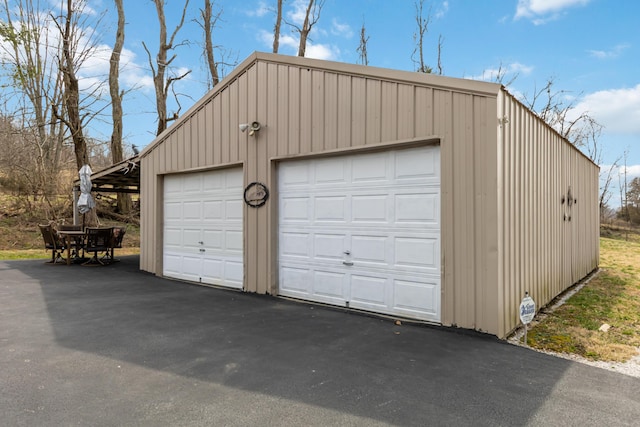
[611, 297]
[44, 255]
[24, 254]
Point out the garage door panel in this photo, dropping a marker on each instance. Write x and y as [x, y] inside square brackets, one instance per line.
[233, 242]
[424, 166]
[370, 168]
[212, 271]
[172, 187]
[192, 183]
[416, 298]
[173, 237]
[213, 181]
[233, 180]
[172, 211]
[212, 210]
[329, 246]
[233, 210]
[329, 284]
[233, 273]
[191, 263]
[370, 249]
[295, 281]
[418, 208]
[212, 239]
[192, 211]
[295, 209]
[368, 290]
[294, 175]
[330, 208]
[378, 230]
[416, 252]
[191, 237]
[370, 208]
[295, 244]
[330, 172]
[172, 263]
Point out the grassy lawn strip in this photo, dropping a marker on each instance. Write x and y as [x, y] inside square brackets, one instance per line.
[611, 297]
[46, 255]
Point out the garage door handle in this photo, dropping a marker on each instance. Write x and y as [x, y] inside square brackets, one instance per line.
[202, 250]
[347, 262]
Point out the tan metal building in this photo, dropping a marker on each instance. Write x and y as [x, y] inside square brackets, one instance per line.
[406, 194]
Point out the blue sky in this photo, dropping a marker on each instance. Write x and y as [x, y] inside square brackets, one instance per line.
[591, 48]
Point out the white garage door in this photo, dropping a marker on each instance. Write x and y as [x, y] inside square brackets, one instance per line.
[363, 231]
[203, 227]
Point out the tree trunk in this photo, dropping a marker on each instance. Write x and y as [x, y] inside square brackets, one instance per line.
[158, 78]
[117, 155]
[160, 82]
[207, 18]
[72, 93]
[304, 31]
[276, 28]
[362, 48]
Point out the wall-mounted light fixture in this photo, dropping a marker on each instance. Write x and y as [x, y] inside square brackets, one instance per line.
[253, 127]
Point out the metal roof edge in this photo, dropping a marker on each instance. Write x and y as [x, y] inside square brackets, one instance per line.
[432, 80]
[113, 168]
[566, 141]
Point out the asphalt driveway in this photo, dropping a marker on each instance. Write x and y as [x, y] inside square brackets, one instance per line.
[113, 346]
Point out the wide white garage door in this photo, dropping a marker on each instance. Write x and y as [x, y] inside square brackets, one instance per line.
[203, 227]
[363, 231]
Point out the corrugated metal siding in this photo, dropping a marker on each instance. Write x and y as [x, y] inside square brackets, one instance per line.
[545, 245]
[306, 110]
[501, 186]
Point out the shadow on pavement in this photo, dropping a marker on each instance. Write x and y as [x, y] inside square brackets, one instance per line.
[266, 359]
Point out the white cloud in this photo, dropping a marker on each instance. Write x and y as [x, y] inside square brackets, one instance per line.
[633, 171]
[321, 51]
[298, 12]
[507, 72]
[95, 70]
[542, 11]
[289, 45]
[617, 109]
[442, 10]
[609, 54]
[340, 29]
[261, 10]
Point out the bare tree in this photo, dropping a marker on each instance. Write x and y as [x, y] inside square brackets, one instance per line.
[418, 37]
[114, 87]
[124, 200]
[581, 129]
[440, 44]
[35, 88]
[362, 47]
[276, 27]
[500, 75]
[623, 213]
[208, 23]
[552, 106]
[311, 18]
[71, 95]
[161, 83]
[606, 180]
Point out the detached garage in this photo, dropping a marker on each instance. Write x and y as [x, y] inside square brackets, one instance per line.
[410, 195]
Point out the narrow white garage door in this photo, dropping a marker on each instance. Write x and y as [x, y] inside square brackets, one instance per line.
[203, 227]
[363, 231]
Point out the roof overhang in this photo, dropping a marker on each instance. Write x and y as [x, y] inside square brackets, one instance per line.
[122, 177]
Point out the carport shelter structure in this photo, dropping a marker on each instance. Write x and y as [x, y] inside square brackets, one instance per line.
[401, 193]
